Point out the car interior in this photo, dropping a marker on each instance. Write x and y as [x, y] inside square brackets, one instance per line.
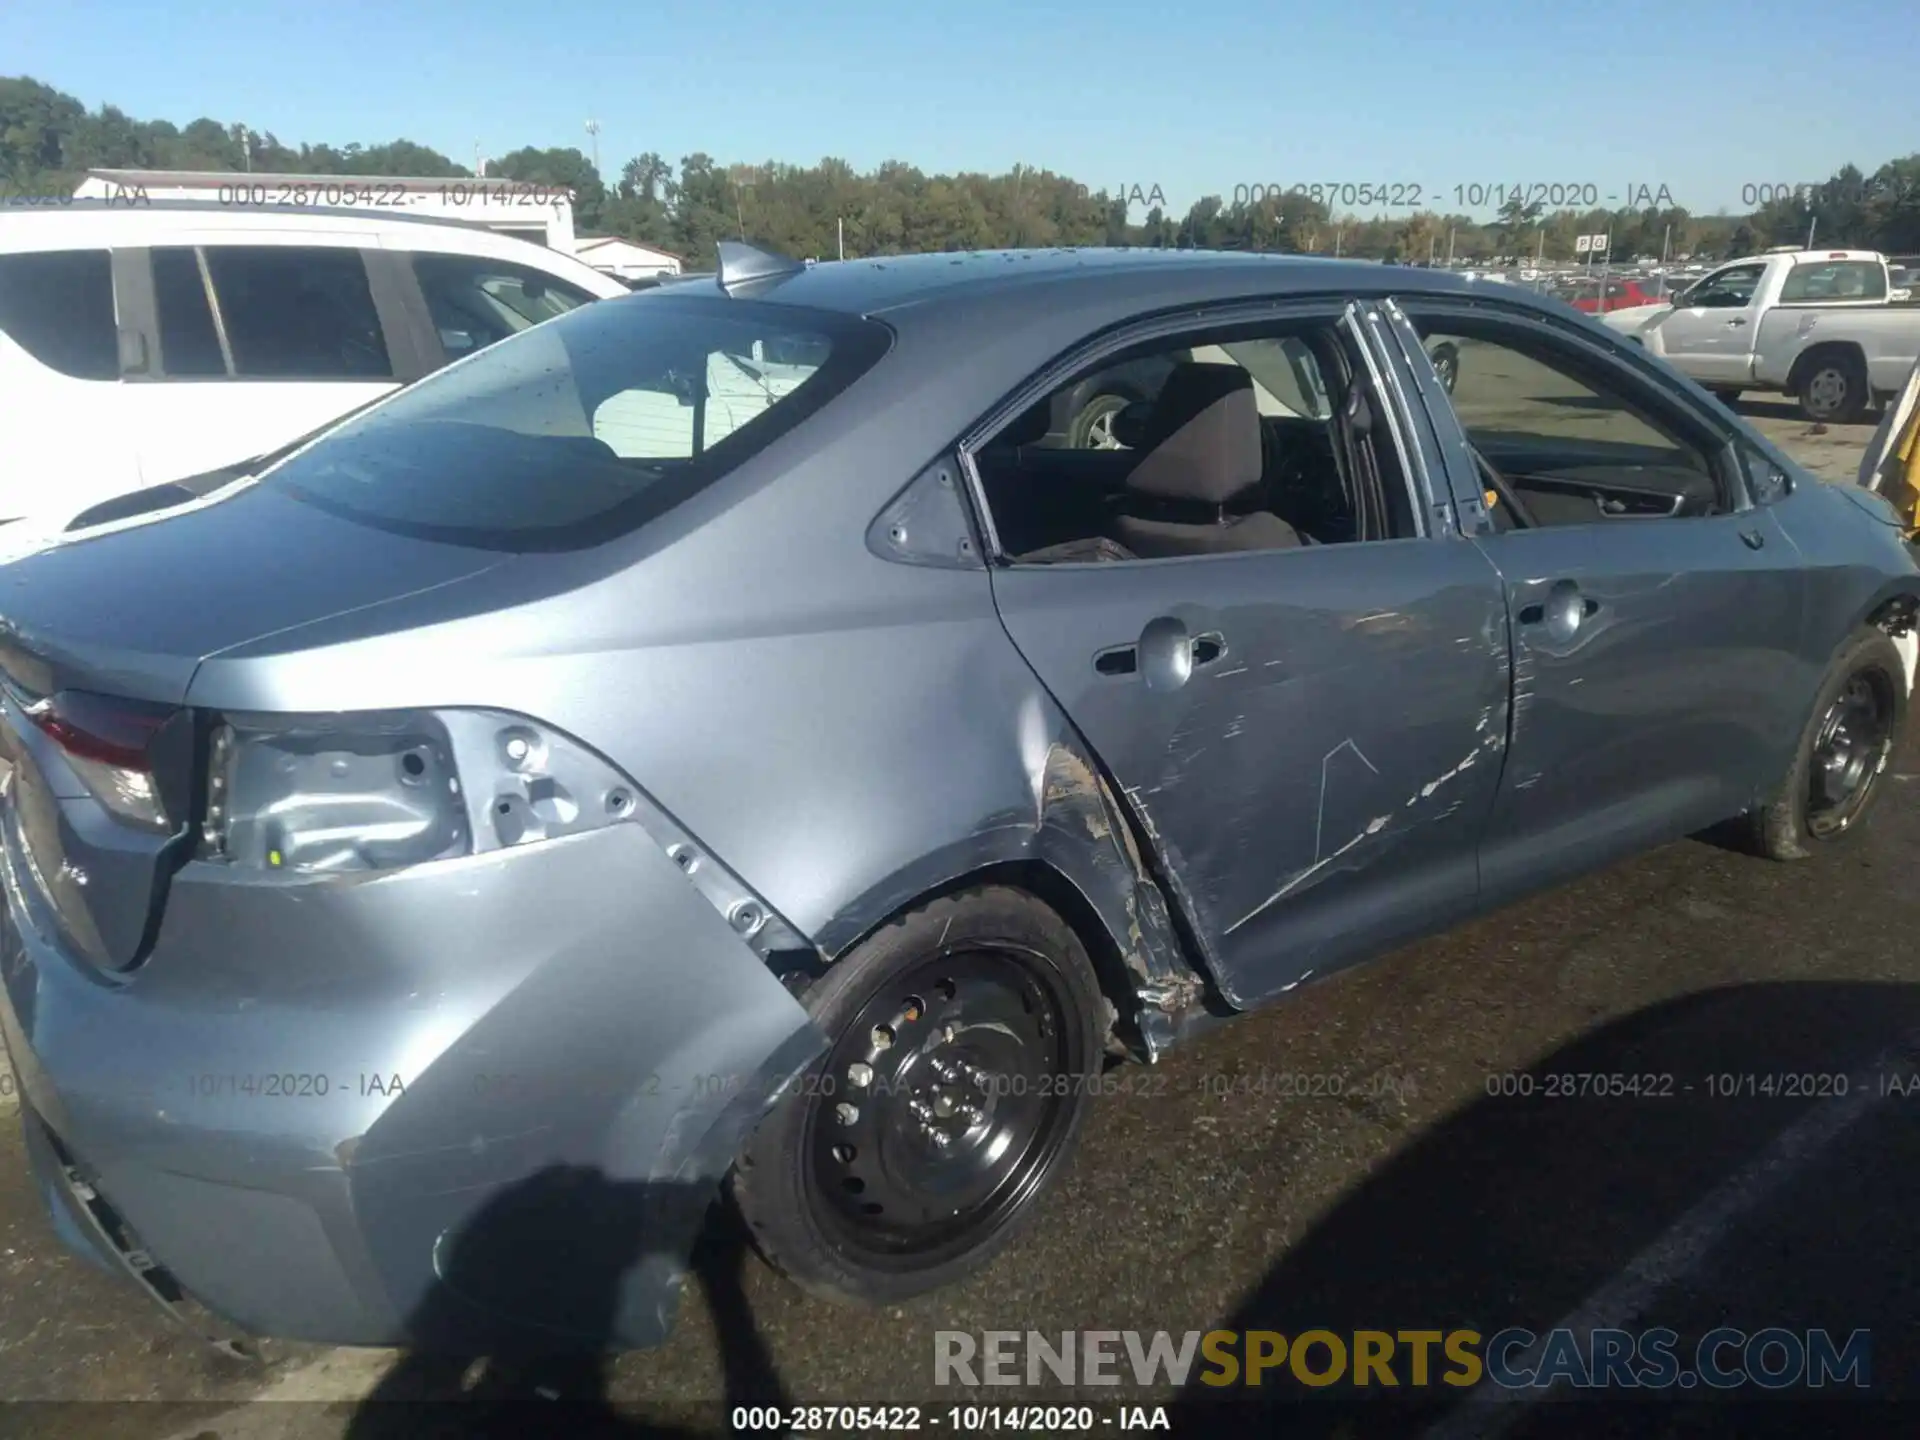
[1200, 469]
[1561, 444]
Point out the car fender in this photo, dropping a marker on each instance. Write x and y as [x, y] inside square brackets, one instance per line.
[1064, 827]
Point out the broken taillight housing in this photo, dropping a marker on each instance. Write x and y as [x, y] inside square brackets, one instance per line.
[107, 743]
[380, 790]
[327, 793]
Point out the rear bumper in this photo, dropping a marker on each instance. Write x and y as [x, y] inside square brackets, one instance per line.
[478, 1102]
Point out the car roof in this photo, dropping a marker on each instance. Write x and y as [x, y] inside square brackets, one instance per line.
[76, 220]
[96, 225]
[888, 285]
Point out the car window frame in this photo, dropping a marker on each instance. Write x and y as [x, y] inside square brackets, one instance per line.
[1807, 267]
[137, 302]
[359, 251]
[110, 254]
[1706, 282]
[420, 312]
[1618, 359]
[1338, 310]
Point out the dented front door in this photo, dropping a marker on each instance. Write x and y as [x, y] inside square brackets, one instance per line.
[1309, 738]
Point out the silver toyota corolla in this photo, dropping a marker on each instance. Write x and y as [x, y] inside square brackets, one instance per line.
[737, 733]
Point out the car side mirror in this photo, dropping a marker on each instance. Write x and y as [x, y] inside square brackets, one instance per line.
[1766, 481]
[1130, 424]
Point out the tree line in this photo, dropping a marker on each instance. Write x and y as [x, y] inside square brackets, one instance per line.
[49, 139]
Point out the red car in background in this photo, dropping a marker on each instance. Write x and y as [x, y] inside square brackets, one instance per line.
[1620, 295]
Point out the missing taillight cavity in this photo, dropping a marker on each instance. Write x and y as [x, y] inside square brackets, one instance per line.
[333, 793]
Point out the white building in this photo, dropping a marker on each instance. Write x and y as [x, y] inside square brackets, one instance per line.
[526, 209]
[625, 260]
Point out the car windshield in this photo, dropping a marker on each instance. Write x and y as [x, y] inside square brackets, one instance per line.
[578, 430]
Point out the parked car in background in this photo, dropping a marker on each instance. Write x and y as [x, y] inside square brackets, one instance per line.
[140, 345]
[569, 808]
[1615, 293]
[1815, 324]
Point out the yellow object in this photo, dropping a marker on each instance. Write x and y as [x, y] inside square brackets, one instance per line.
[273, 857]
[1493, 498]
[1896, 473]
[1907, 453]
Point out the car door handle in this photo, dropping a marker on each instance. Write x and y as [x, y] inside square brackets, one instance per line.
[1738, 320]
[1752, 539]
[1562, 612]
[1537, 614]
[1125, 659]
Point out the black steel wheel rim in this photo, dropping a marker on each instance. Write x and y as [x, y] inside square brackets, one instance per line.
[943, 1105]
[1850, 749]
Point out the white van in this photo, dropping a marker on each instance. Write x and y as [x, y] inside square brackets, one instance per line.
[144, 344]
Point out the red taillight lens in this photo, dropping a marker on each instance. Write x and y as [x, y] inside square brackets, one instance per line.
[106, 742]
[111, 736]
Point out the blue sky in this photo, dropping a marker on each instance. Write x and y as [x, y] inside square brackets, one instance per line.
[1707, 97]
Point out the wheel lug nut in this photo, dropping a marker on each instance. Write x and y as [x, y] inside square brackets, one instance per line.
[846, 1114]
[860, 1074]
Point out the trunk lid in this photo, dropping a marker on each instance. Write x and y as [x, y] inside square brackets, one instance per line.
[99, 641]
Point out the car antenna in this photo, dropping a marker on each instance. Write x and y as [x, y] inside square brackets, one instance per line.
[743, 265]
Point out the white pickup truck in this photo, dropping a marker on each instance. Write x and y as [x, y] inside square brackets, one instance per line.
[1815, 324]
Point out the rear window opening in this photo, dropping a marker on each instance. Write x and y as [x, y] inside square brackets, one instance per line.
[57, 305]
[585, 427]
[1253, 438]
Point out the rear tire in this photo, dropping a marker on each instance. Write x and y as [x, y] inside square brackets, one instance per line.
[975, 1018]
[1834, 388]
[1859, 718]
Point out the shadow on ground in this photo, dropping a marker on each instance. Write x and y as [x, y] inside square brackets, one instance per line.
[559, 1245]
[1518, 1210]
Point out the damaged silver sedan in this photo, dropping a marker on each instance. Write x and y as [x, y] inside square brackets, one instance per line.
[733, 738]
